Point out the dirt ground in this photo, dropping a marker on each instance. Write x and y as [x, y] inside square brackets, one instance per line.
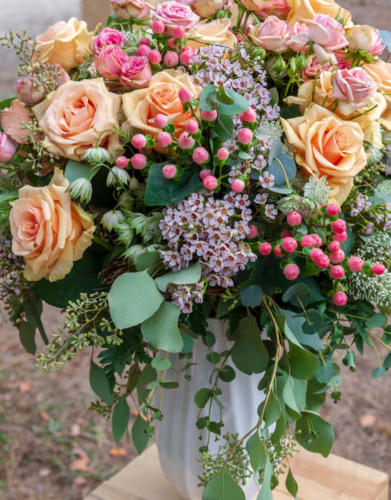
[51, 446]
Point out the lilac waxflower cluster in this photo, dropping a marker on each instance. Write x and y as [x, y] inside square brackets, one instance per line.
[370, 217]
[184, 296]
[212, 232]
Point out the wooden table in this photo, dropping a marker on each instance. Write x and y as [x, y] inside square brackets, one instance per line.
[319, 479]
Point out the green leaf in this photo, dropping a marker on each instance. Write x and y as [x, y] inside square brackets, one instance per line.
[161, 364]
[100, 384]
[314, 434]
[27, 337]
[202, 397]
[266, 491]
[249, 353]
[133, 298]
[223, 487]
[256, 451]
[294, 394]
[275, 150]
[6, 103]
[187, 276]
[147, 375]
[146, 259]
[83, 277]
[303, 364]
[169, 385]
[227, 373]
[208, 101]
[120, 419]
[251, 295]
[288, 165]
[376, 321]
[298, 293]
[291, 484]
[239, 104]
[8, 196]
[139, 434]
[223, 127]
[272, 410]
[75, 170]
[161, 330]
[162, 192]
[378, 372]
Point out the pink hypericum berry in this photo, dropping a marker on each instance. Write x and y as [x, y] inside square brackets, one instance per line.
[340, 299]
[186, 141]
[294, 218]
[338, 226]
[245, 136]
[158, 27]
[139, 161]
[222, 154]
[154, 56]
[204, 173]
[200, 155]
[248, 116]
[285, 233]
[145, 41]
[122, 162]
[316, 254]
[186, 56]
[179, 32]
[164, 139]
[171, 59]
[337, 256]
[265, 248]
[210, 182]
[337, 272]
[289, 244]
[139, 141]
[143, 51]
[378, 269]
[185, 95]
[160, 121]
[307, 241]
[334, 246]
[277, 251]
[323, 262]
[332, 209]
[291, 271]
[253, 232]
[317, 239]
[172, 43]
[341, 237]
[169, 171]
[209, 116]
[237, 185]
[355, 264]
[191, 126]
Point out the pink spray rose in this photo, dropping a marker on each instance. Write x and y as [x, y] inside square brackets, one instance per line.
[173, 14]
[8, 148]
[313, 68]
[110, 61]
[29, 90]
[327, 32]
[272, 34]
[136, 72]
[365, 38]
[354, 86]
[298, 37]
[131, 9]
[107, 37]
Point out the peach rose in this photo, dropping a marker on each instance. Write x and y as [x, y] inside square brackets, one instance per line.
[207, 8]
[64, 43]
[131, 9]
[321, 94]
[272, 34]
[328, 146]
[305, 10]
[265, 8]
[161, 97]
[78, 116]
[381, 73]
[365, 38]
[49, 230]
[213, 32]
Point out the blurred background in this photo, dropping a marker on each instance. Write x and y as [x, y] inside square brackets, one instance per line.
[51, 446]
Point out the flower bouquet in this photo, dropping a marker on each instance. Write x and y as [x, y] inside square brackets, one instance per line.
[197, 164]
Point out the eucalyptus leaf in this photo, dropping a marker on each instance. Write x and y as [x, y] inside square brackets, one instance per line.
[256, 452]
[208, 98]
[239, 104]
[146, 260]
[139, 434]
[303, 364]
[266, 491]
[75, 170]
[187, 276]
[291, 484]
[251, 295]
[120, 419]
[249, 353]
[223, 487]
[161, 330]
[314, 434]
[100, 384]
[27, 336]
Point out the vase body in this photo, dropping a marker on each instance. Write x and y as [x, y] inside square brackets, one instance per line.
[178, 437]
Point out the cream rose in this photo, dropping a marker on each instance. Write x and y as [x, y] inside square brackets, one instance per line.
[64, 43]
[213, 32]
[381, 73]
[77, 116]
[329, 146]
[305, 10]
[49, 230]
[161, 97]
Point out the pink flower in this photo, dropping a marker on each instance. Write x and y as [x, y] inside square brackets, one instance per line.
[340, 299]
[110, 61]
[377, 48]
[272, 34]
[30, 91]
[378, 269]
[171, 59]
[14, 119]
[107, 37]
[291, 271]
[337, 272]
[265, 248]
[298, 37]
[353, 85]
[8, 148]
[252, 233]
[326, 31]
[122, 162]
[294, 218]
[366, 38]
[131, 9]
[173, 14]
[222, 154]
[338, 226]
[185, 141]
[313, 68]
[210, 182]
[200, 155]
[355, 264]
[289, 244]
[341, 237]
[136, 73]
[337, 256]
[332, 209]
[169, 171]
[237, 185]
[245, 136]
[139, 161]
[205, 172]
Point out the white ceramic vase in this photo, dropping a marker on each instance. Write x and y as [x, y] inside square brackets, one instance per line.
[178, 438]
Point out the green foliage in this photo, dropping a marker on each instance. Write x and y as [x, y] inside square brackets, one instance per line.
[140, 435]
[161, 329]
[187, 276]
[314, 434]
[223, 487]
[100, 384]
[249, 353]
[120, 419]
